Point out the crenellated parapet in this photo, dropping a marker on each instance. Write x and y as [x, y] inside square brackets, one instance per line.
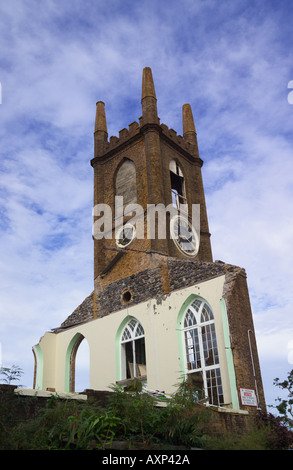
[135, 130]
[149, 119]
[178, 139]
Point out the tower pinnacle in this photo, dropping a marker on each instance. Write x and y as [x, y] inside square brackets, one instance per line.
[100, 133]
[189, 132]
[148, 98]
[100, 123]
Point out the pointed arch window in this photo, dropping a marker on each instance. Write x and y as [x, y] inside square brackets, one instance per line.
[125, 183]
[202, 356]
[177, 184]
[133, 357]
[70, 364]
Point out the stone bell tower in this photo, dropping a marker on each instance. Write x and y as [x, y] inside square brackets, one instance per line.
[149, 164]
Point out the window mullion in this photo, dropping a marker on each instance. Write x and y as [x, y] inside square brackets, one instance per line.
[203, 366]
[134, 358]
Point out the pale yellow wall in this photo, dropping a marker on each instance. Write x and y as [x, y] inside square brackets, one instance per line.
[48, 347]
[159, 320]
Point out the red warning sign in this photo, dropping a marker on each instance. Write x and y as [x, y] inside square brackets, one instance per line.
[248, 397]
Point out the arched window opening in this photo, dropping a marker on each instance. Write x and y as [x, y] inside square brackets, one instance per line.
[79, 364]
[202, 357]
[133, 357]
[177, 184]
[125, 184]
[82, 373]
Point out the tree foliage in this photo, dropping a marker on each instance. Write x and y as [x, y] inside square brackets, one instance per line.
[11, 374]
[285, 406]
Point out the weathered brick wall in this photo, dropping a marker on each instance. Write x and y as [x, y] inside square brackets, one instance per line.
[222, 422]
[241, 325]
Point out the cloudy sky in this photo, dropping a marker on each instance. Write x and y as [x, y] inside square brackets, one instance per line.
[232, 61]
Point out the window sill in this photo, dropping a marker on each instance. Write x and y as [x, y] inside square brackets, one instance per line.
[129, 381]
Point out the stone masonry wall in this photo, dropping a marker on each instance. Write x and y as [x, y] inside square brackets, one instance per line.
[166, 275]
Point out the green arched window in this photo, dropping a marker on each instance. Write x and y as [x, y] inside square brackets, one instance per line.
[133, 358]
[201, 350]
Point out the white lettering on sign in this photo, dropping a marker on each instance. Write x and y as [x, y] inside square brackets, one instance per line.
[248, 397]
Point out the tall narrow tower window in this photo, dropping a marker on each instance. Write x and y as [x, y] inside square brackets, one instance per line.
[133, 358]
[202, 358]
[125, 184]
[177, 184]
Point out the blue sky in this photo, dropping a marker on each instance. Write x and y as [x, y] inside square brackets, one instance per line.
[232, 61]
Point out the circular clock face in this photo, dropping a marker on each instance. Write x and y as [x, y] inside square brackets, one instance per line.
[125, 235]
[184, 236]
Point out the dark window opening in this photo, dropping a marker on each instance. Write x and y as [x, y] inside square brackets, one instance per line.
[133, 351]
[177, 185]
[135, 358]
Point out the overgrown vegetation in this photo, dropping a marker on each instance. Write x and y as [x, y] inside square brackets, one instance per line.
[177, 421]
[132, 416]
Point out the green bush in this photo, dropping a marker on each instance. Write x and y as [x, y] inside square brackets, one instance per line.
[184, 417]
[142, 418]
[176, 421]
[85, 430]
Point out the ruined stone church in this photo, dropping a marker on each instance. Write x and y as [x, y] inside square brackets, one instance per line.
[161, 311]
